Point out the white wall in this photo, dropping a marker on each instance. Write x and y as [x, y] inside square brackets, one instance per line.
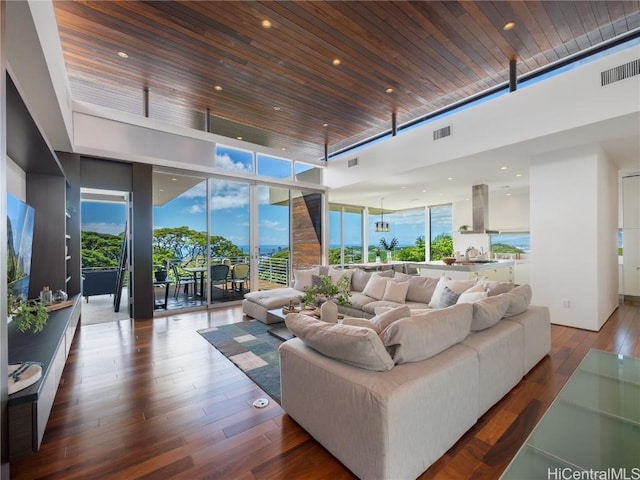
[16, 180]
[573, 269]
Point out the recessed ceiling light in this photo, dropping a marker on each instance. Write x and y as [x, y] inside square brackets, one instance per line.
[283, 148]
[442, 194]
[509, 26]
[123, 55]
[503, 168]
[424, 190]
[161, 190]
[450, 178]
[325, 124]
[266, 23]
[239, 137]
[217, 87]
[174, 179]
[403, 186]
[518, 174]
[276, 108]
[507, 194]
[336, 62]
[389, 90]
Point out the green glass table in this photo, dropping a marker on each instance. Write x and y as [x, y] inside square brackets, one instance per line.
[593, 425]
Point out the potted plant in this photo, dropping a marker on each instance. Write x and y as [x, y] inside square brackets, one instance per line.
[27, 314]
[389, 246]
[160, 273]
[326, 290]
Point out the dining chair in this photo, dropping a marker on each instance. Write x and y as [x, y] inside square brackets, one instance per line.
[182, 281]
[219, 275]
[239, 275]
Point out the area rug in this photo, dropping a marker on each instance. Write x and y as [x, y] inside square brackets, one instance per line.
[252, 349]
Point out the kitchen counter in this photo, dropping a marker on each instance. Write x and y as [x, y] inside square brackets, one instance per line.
[501, 270]
[465, 266]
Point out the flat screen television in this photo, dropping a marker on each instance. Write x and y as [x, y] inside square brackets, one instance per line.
[20, 219]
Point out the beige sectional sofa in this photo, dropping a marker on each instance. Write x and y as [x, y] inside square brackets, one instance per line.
[416, 292]
[389, 395]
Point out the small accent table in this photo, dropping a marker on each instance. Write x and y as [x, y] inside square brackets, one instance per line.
[592, 425]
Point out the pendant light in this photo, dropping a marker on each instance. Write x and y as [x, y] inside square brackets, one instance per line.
[382, 226]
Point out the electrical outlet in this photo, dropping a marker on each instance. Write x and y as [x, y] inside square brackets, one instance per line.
[566, 304]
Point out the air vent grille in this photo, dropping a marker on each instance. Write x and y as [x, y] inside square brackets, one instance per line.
[620, 73]
[353, 162]
[441, 133]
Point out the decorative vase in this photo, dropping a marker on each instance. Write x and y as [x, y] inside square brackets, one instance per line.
[161, 275]
[389, 256]
[378, 259]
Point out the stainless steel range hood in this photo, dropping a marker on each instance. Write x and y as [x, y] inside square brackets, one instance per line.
[480, 210]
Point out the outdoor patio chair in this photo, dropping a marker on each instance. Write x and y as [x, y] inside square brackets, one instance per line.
[219, 275]
[182, 280]
[239, 275]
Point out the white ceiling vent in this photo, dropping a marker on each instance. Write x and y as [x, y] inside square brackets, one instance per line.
[441, 133]
[621, 72]
[353, 162]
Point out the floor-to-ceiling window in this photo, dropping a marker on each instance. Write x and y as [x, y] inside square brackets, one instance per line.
[179, 239]
[229, 237]
[440, 229]
[345, 234]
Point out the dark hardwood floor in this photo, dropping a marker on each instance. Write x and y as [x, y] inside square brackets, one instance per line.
[154, 400]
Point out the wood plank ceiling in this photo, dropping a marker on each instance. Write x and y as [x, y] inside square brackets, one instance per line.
[279, 87]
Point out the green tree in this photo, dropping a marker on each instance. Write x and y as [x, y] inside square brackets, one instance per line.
[100, 249]
[414, 253]
[221, 247]
[505, 248]
[441, 246]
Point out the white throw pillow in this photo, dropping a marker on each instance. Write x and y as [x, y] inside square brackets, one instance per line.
[356, 346]
[303, 278]
[395, 291]
[471, 297]
[375, 286]
[437, 293]
[417, 338]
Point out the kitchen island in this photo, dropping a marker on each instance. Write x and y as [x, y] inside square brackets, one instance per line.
[500, 270]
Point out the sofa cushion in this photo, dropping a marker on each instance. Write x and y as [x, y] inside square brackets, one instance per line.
[496, 288]
[456, 286]
[361, 322]
[395, 291]
[302, 278]
[384, 319]
[336, 274]
[375, 286]
[356, 346]
[359, 300]
[420, 288]
[420, 337]
[278, 297]
[370, 308]
[520, 298]
[359, 279]
[488, 311]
